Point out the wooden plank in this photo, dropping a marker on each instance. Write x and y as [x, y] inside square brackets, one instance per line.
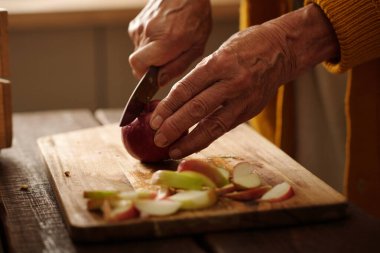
[5, 114]
[5, 86]
[357, 233]
[31, 219]
[108, 116]
[4, 47]
[97, 160]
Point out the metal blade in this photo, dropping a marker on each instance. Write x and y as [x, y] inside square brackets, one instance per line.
[143, 93]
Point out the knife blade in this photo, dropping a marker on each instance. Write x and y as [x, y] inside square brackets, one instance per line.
[143, 93]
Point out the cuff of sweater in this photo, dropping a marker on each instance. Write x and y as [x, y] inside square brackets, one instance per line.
[357, 27]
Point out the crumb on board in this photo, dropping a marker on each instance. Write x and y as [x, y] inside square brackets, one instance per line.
[24, 187]
[67, 173]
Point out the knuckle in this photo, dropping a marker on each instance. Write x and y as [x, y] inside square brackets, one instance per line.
[215, 127]
[173, 127]
[197, 108]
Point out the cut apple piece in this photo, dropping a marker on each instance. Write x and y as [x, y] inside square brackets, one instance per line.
[278, 193]
[116, 195]
[206, 169]
[183, 180]
[206, 182]
[244, 177]
[225, 189]
[99, 194]
[193, 199]
[250, 194]
[123, 210]
[163, 192]
[157, 207]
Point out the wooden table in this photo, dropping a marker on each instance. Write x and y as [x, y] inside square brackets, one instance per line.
[31, 220]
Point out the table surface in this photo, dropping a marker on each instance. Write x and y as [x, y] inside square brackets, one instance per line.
[31, 220]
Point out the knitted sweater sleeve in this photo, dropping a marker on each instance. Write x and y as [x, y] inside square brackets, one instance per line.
[357, 27]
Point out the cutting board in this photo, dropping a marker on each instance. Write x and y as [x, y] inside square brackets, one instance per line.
[97, 160]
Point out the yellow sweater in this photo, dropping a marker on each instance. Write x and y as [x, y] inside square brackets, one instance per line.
[357, 26]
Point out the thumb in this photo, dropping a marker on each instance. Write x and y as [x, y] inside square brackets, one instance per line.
[156, 53]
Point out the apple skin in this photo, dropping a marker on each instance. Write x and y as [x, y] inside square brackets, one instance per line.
[204, 168]
[278, 193]
[138, 138]
[250, 194]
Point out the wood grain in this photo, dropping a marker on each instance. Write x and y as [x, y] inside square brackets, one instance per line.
[97, 160]
[5, 86]
[31, 220]
[5, 114]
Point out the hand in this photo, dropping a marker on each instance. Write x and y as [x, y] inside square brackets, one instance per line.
[234, 83]
[170, 34]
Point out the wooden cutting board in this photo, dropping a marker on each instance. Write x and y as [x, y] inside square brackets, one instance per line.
[97, 160]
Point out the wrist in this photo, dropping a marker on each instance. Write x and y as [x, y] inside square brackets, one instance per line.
[307, 37]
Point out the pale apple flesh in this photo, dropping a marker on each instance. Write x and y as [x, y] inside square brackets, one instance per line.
[124, 210]
[161, 207]
[279, 192]
[193, 199]
[244, 177]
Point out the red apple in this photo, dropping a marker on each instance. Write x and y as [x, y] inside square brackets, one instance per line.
[138, 137]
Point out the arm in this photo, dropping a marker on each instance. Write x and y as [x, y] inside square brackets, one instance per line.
[235, 82]
[357, 27]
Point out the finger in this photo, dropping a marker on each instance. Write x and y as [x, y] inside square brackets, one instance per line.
[156, 53]
[188, 115]
[178, 66]
[185, 89]
[208, 130]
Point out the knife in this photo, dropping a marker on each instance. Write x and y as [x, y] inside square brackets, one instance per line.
[143, 93]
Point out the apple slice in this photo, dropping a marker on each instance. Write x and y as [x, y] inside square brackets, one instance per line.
[244, 177]
[250, 194]
[123, 210]
[126, 195]
[183, 180]
[193, 199]
[155, 207]
[225, 189]
[163, 192]
[278, 193]
[99, 194]
[207, 182]
[205, 168]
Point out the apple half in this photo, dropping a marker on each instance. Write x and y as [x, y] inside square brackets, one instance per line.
[278, 193]
[244, 177]
[193, 199]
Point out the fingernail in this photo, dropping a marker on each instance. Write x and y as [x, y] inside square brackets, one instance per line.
[160, 140]
[175, 153]
[163, 79]
[156, 122]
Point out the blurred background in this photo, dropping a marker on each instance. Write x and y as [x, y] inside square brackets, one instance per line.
[74, 53]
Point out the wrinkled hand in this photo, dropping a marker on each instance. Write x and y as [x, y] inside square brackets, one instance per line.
[234, 83]
[170, 34]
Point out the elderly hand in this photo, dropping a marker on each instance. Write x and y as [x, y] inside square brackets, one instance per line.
[170, 34]
[234, 83]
